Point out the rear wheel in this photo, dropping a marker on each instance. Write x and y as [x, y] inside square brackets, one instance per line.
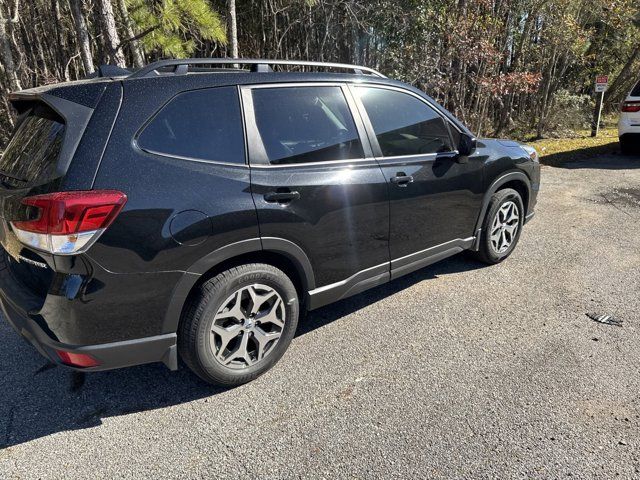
[501, 227]
[239, 324]
[627, 147]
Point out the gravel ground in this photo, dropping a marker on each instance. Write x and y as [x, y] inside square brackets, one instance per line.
[457, 371]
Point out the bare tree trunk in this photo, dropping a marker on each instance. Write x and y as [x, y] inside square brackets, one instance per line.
[82, 35]
[112, 40]
[623, 77]
[5, 48]
[136, 51]
[233, 28]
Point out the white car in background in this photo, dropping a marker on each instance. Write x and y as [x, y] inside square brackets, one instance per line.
[629, 124]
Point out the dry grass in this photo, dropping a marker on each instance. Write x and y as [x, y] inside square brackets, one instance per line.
[557, 150]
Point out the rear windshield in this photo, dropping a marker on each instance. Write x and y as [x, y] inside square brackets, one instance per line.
[33, 151]
[636, 90]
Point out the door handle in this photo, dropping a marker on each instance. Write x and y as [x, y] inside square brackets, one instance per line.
[402, 179]
[281, 197]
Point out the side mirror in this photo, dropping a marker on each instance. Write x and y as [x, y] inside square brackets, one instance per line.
[468, 144]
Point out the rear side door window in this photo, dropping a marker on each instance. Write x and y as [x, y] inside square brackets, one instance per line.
[403, 124]
[200, 125]
[298, 125]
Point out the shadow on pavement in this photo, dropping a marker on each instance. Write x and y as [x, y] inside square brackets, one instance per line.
[607, 157]
[39, 399]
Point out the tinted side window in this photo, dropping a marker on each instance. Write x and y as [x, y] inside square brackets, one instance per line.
[201, 124]
[403, 124]
[305, 124]
[636, 90]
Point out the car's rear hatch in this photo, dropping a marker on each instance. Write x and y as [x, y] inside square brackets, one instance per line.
[51, 122]
[631, 106]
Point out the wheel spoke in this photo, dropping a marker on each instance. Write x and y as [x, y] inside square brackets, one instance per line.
[232, 308]
[263, 339]
[495, 238]
[512, 229]
[272, 316]
[226, 336]
[241, 352]
[258, 300]
[504, 244]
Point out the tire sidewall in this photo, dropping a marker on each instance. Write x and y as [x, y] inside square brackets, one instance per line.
[204, 353]
[499, 199]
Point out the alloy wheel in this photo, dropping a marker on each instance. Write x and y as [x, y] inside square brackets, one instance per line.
[505, 227]
[247, 326]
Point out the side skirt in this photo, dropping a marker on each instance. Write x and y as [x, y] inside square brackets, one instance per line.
[379, 274]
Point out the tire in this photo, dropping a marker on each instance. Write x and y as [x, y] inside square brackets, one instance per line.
[219, 325]
[627, 147]
[488, 253]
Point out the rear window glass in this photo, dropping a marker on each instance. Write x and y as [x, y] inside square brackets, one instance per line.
[305, 124]
[636, 90]
[201, 124]
[33, 151]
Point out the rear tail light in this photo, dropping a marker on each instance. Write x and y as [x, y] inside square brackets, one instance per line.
[631, 107]
[81, 360]
[68, 223]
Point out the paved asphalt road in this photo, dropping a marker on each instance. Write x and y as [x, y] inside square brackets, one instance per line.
[459, 370]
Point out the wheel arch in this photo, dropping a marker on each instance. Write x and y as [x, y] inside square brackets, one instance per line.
[516, 180]
[278, 252]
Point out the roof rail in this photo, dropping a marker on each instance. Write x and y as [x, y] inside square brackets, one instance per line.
[181, 66]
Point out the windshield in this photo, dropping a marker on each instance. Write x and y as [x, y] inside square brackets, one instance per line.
[33, 151]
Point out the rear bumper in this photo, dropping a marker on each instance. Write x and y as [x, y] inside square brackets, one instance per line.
[632, 136]
[628, 126]
[159, 348]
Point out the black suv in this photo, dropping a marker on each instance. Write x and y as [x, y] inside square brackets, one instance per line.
[199, 207]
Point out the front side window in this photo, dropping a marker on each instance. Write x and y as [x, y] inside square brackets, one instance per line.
[403, 124]
[305, 124]
[200, 124]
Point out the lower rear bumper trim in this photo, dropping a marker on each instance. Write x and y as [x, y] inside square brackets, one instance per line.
[158, 348]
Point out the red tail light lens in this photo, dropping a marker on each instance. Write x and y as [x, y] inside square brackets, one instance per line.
[631, 107]
[68, 223]
[81, 360]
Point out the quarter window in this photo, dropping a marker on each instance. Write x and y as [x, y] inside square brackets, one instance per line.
[403, 124]
[200, 124]
[305, 124]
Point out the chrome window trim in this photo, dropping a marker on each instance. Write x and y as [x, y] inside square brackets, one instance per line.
[337, 163]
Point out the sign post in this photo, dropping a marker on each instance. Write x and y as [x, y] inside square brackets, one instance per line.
[602, 82]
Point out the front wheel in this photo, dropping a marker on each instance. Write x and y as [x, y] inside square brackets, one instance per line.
[501, 227]
[239, 324]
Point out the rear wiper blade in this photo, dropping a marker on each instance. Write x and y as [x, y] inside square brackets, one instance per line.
[13, 177]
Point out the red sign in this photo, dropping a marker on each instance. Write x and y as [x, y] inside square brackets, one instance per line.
[602, 83]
